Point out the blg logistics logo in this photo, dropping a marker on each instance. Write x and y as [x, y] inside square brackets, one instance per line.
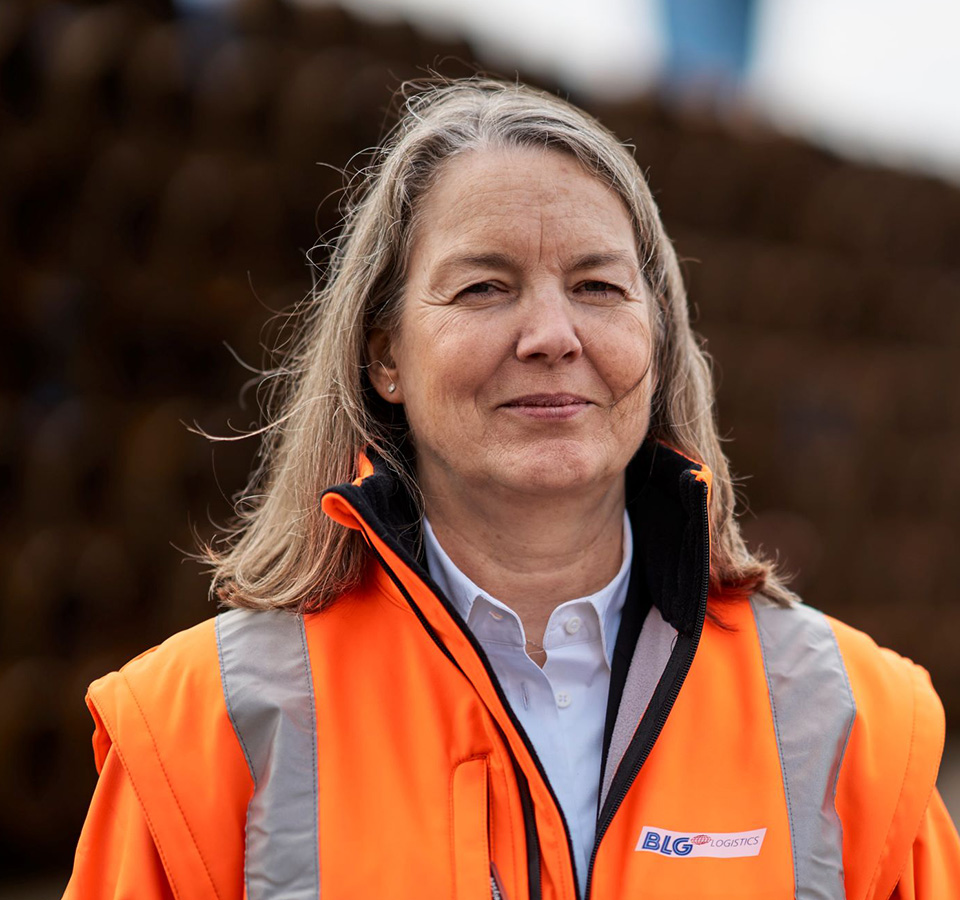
[691, 844]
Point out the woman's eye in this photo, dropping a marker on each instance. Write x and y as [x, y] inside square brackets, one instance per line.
[482, 287]
[600, 288]
[482, 290]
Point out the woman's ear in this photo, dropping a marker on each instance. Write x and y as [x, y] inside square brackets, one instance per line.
[382, 369]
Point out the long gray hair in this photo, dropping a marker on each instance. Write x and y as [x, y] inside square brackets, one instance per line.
[283, 552]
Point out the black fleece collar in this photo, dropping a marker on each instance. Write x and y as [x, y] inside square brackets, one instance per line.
[666, 498]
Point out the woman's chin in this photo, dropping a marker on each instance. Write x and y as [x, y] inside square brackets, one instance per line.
[559, 469]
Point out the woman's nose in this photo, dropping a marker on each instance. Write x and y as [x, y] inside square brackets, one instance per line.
[547, 331]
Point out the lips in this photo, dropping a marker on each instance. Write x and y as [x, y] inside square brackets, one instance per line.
[548, 400]
[547, 408]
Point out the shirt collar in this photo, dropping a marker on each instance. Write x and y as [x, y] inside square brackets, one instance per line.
[463, 593]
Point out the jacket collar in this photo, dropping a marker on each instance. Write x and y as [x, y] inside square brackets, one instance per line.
[667, 500]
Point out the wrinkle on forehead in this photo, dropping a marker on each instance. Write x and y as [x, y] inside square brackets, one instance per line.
[493, 188]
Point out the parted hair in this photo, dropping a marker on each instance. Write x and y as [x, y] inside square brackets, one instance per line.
[281, 551]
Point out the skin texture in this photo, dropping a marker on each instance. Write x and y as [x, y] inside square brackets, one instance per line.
[524, 364]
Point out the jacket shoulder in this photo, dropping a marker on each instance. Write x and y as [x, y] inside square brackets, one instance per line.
[865, 658]
[883, 683]
[165, 717]
[893, 756]
[892, 693]
[147, 687]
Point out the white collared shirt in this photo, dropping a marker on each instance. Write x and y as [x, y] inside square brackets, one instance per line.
[562, 706]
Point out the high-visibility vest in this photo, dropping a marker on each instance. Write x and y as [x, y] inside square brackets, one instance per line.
[367, 751]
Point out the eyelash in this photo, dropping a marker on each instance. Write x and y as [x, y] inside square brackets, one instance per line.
[607, 287]
[488, 288]
[479, 284]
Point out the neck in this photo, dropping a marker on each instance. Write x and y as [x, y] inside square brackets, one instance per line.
[531, 553]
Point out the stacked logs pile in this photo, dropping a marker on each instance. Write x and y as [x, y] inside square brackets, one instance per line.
[829, 295]
[161, 180]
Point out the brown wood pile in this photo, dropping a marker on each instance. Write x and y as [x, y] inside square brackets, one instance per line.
[160, 182]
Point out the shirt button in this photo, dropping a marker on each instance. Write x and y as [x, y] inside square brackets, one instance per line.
[573, 625]
[563, 699]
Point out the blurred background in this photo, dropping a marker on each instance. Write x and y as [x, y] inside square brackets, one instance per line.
[165, 166]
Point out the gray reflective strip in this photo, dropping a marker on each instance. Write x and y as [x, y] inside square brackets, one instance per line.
[813, 712]
[652, 653]
[269, 692]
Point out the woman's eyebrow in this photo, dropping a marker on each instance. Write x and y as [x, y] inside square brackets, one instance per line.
[503, 261]
[454, 264]
[596, 260]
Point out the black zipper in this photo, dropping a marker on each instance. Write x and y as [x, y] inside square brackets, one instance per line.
[674, 674]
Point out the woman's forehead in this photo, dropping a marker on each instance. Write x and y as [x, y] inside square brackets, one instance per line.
[544, 173]
[520, 201]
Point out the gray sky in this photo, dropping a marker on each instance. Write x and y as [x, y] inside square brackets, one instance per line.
[877, 79]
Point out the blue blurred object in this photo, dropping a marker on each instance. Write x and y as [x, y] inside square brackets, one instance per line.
[709, 43]
[200, 6]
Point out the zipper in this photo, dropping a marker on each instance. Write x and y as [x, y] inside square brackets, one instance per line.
[637, 752]
[531, 834]
[644, 739]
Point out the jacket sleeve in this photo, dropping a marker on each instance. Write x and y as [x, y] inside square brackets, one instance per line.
[169, 812]
[116, 857]
[932, 870]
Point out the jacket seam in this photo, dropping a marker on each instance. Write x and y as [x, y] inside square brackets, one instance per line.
[566, 861]
[173, 793]
[452, 830]
[143, 807]
[517, 867]
[926, 806]
[893, 818]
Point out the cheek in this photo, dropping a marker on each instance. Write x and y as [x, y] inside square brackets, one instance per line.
[446, 375]
[625, 356]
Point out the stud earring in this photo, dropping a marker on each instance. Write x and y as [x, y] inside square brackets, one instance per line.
[391, 387]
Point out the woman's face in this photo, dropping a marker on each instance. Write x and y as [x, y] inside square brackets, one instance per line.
[523, 357]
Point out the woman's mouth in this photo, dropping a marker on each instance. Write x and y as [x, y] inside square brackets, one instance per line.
[547, 406]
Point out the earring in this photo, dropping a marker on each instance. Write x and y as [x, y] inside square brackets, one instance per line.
[391, 387]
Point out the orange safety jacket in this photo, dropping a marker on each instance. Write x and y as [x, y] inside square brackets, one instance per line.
[367, 751]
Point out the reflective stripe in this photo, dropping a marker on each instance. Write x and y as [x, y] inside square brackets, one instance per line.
[650, 658]
[813, 712]
[268, 688]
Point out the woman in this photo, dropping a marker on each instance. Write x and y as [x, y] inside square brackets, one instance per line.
[518, 648]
